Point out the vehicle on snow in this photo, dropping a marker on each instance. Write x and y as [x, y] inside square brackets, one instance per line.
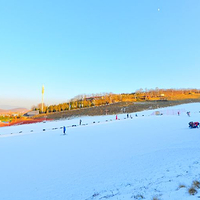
[193, 124]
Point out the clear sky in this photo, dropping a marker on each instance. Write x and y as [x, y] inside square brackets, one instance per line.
[93, 46]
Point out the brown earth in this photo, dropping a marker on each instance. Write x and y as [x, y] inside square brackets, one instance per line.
[23, 121]
[116, 108]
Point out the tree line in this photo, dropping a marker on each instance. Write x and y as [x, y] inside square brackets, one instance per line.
[85, 101]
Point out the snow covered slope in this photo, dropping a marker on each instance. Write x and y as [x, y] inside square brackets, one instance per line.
[144, 157]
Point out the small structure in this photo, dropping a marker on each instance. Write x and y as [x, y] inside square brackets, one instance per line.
[157, 113]
[163, 97]
[32, 113]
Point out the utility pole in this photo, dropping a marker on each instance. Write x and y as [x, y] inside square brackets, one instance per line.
[42, 98]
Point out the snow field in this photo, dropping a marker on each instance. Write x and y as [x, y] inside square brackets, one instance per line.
[147, 156]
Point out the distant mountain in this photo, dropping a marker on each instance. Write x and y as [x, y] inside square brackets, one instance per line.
[14, 110]
[8, 107]
[2, 111]
[18, 110]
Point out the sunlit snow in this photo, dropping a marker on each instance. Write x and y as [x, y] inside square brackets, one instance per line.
[131, 158]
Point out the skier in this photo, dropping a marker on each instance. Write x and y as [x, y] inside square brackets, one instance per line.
[64, 130]
[80, 122]
[178, 113]
[116, 117]
[127, 115]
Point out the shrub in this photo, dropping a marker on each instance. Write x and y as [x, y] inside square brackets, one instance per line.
[192, 191]
[95, 195]
[196, 184]
[138, 196]
[181, 186]
[155, 198]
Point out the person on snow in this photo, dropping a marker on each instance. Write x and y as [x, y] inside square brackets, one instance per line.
[64, 130]
[80, 122]
[116, 117]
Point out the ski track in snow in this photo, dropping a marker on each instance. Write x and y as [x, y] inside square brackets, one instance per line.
[141, 158]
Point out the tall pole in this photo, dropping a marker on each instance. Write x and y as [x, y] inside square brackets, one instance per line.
[42, 98]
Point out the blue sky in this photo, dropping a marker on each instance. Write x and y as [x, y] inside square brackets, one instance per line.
[92, 46]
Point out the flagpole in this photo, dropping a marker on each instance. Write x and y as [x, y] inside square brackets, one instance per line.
[42, 98]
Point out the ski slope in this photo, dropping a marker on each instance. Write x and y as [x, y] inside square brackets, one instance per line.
[144, 157]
